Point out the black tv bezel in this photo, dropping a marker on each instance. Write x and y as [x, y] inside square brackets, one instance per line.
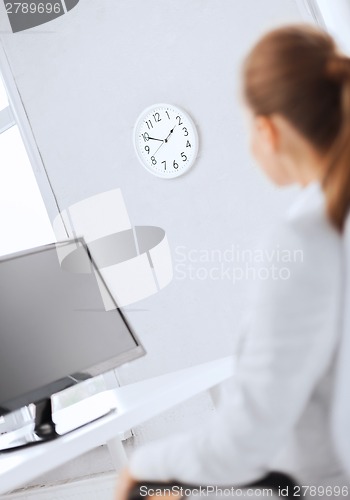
[47, 390]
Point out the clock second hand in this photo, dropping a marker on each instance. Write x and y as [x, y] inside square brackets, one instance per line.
[158, 148]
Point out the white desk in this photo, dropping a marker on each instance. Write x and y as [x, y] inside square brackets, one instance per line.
[136, 403]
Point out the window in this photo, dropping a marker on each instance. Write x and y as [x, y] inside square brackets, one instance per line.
[24, 222]
[3, 97]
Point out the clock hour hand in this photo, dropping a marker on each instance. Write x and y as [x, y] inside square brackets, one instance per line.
[171, 131]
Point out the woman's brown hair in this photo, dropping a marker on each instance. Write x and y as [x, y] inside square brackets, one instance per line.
[298, 72]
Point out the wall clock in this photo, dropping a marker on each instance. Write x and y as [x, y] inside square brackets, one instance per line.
[165, 140]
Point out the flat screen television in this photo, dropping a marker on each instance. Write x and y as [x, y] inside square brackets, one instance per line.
[54, 323]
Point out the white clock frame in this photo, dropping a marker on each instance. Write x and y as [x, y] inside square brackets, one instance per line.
[191, 128]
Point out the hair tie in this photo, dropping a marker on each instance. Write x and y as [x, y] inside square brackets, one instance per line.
[338, 67]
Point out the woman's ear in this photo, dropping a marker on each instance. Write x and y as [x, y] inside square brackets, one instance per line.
[267, 129]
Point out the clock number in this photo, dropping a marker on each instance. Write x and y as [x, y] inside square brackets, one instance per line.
[167, 114]
[147, 149]
[186, 131]
[157, 117]
[183, 156]
[145, 136]
[188, 144]
[175, 165]
[164, 164]
[154, 161]
[149, 124]
[179, 118]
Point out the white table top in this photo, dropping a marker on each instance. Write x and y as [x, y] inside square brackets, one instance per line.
[136, 403]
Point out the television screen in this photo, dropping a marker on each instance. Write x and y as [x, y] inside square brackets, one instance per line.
[56, 320]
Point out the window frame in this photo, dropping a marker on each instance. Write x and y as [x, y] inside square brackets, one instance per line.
[7, 120]
[15, 114]
[311, 12]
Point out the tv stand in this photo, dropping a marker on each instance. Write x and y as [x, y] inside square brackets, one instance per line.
[45, 427]
[48, 425]
[40, 429]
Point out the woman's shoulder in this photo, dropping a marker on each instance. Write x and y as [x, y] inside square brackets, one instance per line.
[307, 223]
[305, 239]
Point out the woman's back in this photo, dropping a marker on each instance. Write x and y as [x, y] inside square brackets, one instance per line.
[276, 415]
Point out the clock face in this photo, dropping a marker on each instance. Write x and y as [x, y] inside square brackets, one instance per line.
[165, 140]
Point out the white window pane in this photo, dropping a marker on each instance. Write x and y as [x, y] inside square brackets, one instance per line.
[24, 222]
[3, 96]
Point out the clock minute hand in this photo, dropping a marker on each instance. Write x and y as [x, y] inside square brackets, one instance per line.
[154, 139]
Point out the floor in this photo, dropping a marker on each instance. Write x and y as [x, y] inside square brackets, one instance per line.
[101, 487]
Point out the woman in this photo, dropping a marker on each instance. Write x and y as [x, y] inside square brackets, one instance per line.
[296, 87]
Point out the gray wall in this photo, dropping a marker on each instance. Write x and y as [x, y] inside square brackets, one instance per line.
[84, 78]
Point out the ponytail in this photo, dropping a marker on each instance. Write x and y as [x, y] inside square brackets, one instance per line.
[336, 183]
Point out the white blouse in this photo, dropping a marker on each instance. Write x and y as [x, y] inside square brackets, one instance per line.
[276, 414]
